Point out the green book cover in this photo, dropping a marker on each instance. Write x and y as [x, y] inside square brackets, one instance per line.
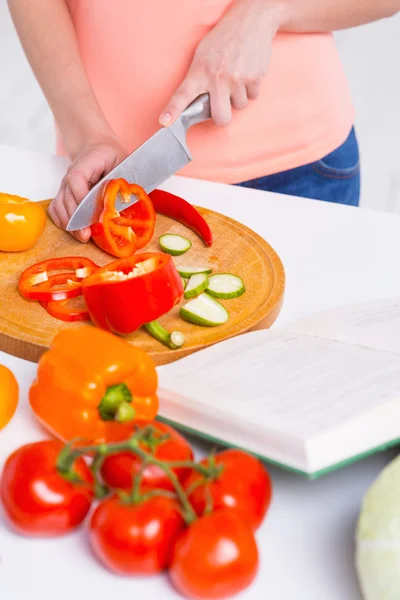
[214, 442]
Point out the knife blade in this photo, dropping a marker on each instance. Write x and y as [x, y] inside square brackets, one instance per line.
[161, 156]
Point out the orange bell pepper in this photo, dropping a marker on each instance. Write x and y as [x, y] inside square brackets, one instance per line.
[9, 395]
[94, 386]
[21, 223]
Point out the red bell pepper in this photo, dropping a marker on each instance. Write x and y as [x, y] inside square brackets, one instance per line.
[128, 293]
[60, 309]
[178, 209]
[37, 284]
[121, 234]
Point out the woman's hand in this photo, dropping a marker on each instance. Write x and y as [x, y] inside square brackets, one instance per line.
[88, 167]
[230, 62]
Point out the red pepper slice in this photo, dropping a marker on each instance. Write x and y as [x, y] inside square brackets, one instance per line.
[125, 294]
[172, 206]
[121, 234]
[58, 286]
[59, 309]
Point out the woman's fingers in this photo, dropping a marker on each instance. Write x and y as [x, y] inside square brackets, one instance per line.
[239, 97]
[71, 203]
[253, 89]
[55, 210]
[221, 108]
[226, 92]
[184, 95]
[95, 161]
[78, 186]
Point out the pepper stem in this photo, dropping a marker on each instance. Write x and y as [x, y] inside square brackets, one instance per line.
[115, 404]
[173, 340]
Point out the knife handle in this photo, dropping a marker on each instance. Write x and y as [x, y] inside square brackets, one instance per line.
[197, 112]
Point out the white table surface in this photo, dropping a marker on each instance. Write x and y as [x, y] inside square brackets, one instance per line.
[332, 255]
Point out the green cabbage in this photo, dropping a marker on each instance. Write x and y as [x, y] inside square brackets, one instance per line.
[378, 537]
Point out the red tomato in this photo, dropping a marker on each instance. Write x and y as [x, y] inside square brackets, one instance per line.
[244, 484]
[118, 469]
[37, 500]
[216, 557]
[135, 539]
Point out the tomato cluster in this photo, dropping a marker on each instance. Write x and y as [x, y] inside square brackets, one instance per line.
[195, 520]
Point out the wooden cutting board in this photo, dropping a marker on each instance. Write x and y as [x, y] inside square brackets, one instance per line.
[26, 330]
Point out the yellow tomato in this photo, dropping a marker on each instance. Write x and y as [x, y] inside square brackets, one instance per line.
[21, 223]
[9, 393]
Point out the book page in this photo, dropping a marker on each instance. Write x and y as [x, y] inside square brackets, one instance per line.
[307, 384]
[373, 324]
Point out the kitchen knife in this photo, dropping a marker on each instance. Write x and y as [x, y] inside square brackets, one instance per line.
[164, 154]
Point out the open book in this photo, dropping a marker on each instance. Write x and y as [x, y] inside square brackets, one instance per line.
[312, 397]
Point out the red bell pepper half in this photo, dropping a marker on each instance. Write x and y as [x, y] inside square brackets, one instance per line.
[36, 283]
[121, 234]
[128, 293]
[178, 209]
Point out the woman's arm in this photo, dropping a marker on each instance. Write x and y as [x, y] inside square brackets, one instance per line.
[48, 37]
[331, 15]
[232, 59]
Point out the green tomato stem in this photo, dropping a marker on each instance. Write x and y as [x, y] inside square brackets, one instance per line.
[69, 454]
[100, 489]
[147, 437]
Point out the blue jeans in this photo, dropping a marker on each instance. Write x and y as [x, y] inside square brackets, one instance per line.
[335, 178]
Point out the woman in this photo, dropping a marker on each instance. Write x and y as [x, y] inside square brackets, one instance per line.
[113, 71]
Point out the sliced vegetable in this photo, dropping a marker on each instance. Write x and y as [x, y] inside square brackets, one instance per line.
[127, 293]
[173, 340]
[174, 244]
[184, 282]
[189, 271]
[64, 310]
[225, 285]
[21, 223]
[122, 233]
[85, 382]
[196, 284]
[204, 310]
[36, 283]
[176, 208]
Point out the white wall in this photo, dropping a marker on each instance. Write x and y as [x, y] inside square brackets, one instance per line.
[371, 56]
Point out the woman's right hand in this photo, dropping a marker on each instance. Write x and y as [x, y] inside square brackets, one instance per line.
[93, 162]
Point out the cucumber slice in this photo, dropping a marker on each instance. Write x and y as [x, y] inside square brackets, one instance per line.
[196, 284]
[189, 271]
[204, 310]
[174, 244]
[184, 282]
[225, 285]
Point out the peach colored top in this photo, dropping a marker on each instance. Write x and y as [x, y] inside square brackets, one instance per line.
[136, 53]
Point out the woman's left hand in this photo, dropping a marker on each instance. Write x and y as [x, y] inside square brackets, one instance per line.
[230, 62]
